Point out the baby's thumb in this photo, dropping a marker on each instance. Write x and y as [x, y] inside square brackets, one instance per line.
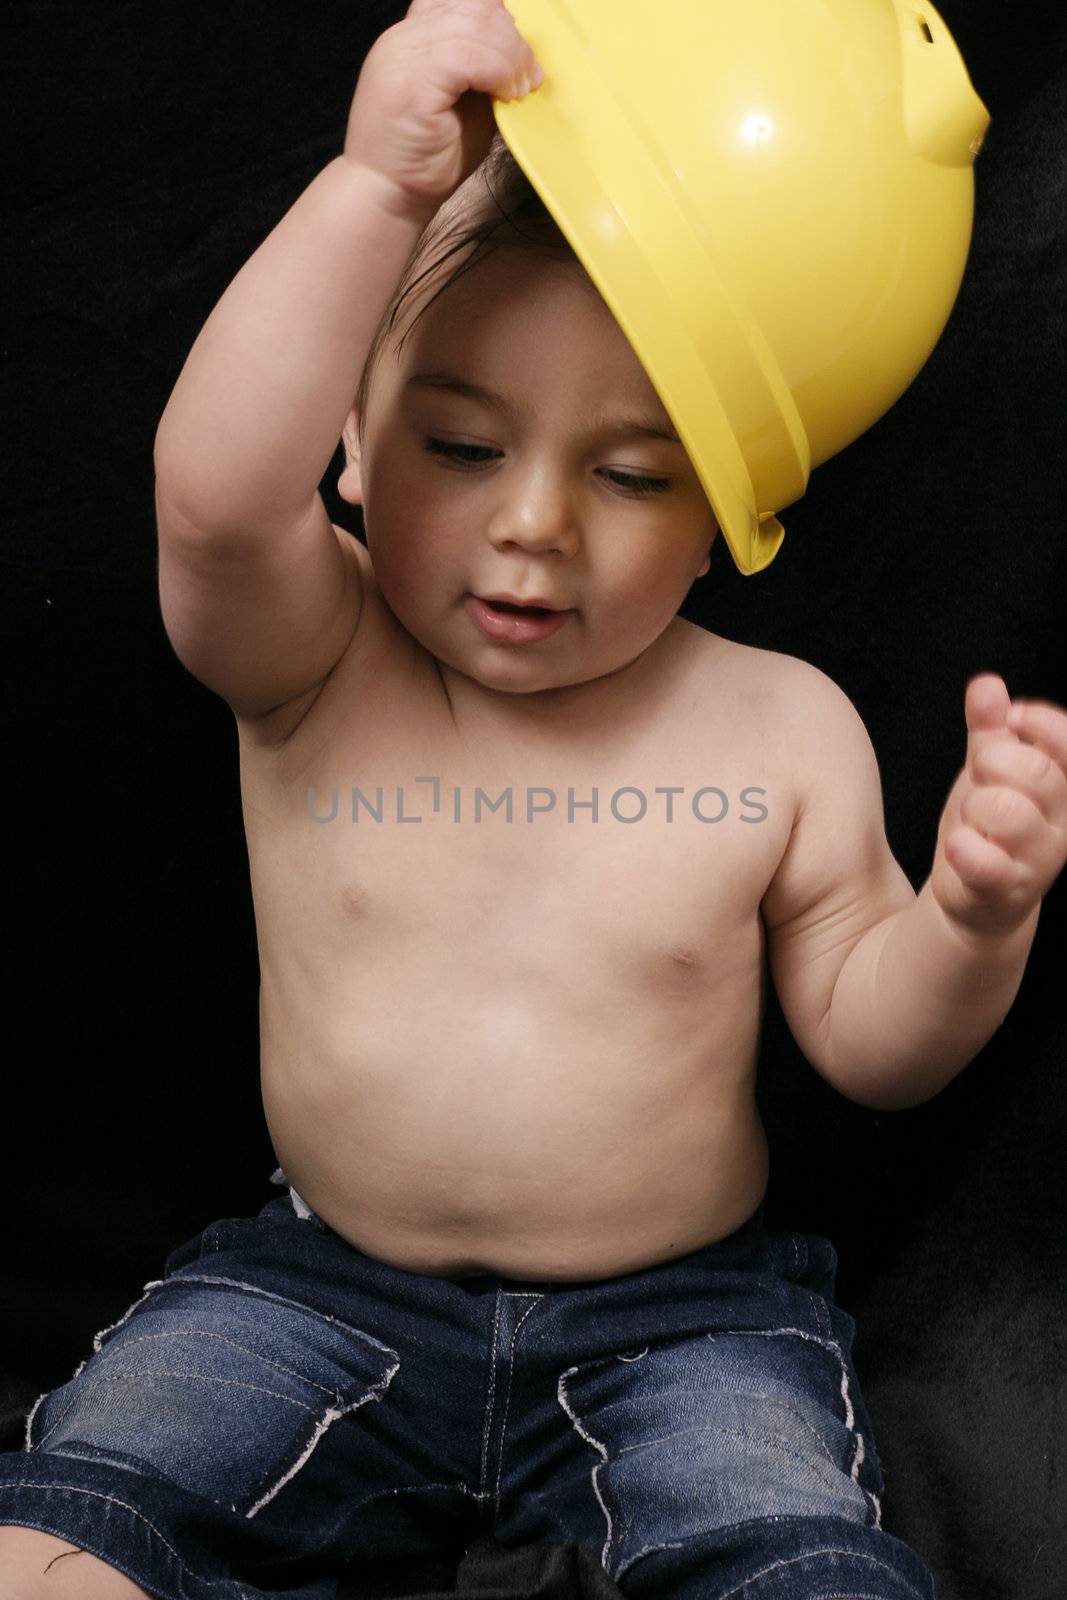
[986, 703]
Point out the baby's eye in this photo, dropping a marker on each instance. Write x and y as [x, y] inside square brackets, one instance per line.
[462, 452]
[634, 484]
[474, 455]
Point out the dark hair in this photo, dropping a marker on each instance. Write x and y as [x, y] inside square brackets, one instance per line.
[514, 217]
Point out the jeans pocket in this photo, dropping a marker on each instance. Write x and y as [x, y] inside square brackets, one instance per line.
[808, 1263]
[711, 1434]
[221, 1388]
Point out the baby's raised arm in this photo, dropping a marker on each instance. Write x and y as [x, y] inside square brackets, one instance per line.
[258, 409]
[260, 404]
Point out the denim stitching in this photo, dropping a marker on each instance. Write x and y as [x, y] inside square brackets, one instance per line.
[233, 1283]
[27, 1436]
[73, 1399]
[781, 1404]
[484, 1493]
[206, 1333]
[97, 1337]
[330, 1416]
[826, 1550]
[507, 1398]
[859, 1447]
[561, 1396]
[198, 1377]
[857, 1438]
[788, 1561]
[74, 1488]
[745, 1433]
[43, 1440]
[284, 1300]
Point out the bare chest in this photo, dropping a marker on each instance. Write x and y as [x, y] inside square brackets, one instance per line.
[642, 858]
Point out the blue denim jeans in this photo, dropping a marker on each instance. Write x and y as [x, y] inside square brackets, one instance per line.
[281, 1414]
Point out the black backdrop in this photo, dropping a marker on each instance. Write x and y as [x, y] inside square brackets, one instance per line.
[154, 147]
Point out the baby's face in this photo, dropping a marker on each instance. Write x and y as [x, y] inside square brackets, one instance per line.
[534, 495]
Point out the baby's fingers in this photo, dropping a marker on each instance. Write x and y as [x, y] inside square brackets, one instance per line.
[1003, 761]
[1005, 844]
[982, 864]
[979, 886]
[1043, 724]
[1005, 817]
[515, 70]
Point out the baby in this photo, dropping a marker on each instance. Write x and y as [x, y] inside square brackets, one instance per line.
[518, 857]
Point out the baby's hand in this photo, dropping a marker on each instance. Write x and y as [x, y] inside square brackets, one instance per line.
[421, 115]
[1002, 839]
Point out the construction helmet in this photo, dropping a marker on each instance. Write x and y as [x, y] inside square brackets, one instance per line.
[774, 198]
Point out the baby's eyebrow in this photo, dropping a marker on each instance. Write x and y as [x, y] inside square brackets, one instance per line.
[642, 427]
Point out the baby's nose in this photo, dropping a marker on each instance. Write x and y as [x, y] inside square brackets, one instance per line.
[536, 522]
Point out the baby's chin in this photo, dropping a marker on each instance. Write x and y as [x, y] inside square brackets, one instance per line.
[516, 678]
[532, 683]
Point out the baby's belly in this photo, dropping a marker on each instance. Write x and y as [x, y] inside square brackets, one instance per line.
[449, 1127]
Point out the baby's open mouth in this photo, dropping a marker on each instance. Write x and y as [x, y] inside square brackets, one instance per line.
[511, 622]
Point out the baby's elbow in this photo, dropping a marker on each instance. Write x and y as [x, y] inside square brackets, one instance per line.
[875, 1092]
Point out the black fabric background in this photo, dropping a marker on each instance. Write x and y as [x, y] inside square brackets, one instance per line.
[153, 148]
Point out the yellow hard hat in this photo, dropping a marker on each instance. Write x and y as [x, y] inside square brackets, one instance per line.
[774, 198]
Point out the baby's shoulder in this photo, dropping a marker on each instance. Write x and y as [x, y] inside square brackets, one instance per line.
[812, 723]
[768, 682]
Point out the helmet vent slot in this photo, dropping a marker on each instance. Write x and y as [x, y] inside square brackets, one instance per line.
[925, 27]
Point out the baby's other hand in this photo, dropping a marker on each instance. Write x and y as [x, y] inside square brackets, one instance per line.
[1002, 838]
[422, 115]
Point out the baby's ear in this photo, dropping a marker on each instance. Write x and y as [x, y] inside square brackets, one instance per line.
[707, 559]
[350, 483]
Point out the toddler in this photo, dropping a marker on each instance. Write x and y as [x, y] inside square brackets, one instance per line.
[521, 842]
